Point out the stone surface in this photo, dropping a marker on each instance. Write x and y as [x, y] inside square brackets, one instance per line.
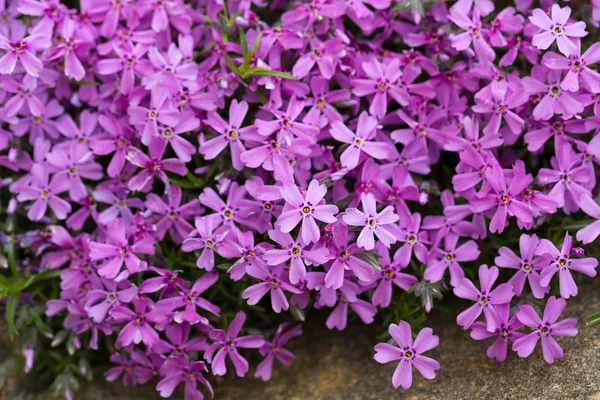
[333, 365]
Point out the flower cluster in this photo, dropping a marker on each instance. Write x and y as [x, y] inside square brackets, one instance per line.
[187, 164]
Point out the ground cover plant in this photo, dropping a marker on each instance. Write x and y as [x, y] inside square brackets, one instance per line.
[182, 183]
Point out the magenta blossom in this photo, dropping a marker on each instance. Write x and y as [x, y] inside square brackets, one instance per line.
[226, 343]
[408, 353]
[545, 328]
[117, 251]
[306, 208]
[556, 29]
[374, 223]
[45, 193]
[360, 143]
[485, 299]
[506, 331]
[296, 253]
[274, 280]
[274, 350]
[528, 266]
[561, 261]
[23, 50]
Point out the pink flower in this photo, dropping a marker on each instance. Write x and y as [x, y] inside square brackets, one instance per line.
[408, 353]
[307, 208]
[374, 223]
[230, 134]
[544, 328]
[556, 29]
[117, 251]
[274, 280]
[562, 262]
[360, 143]
[297, 253]
[23, 50]
[227, 342]
[485, 299]
[45, 193]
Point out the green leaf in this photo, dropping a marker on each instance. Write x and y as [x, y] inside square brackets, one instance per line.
[267, 72]
[224, 266]
[194, 179]
[250, 54]
[243, 42]
[232, 66]
[5, 283]
[12, 262]
[85, 83]
[593, 320]
[11, 309]
[41, 325]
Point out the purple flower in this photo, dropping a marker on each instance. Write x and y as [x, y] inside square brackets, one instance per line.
[45, 194]
[448, 257]
[577, 66]
[554, 100]
[591, 208]
[408, 353]
[485, 299]
[504, 199]
[207, 238]
[117, 251]
[389, 273]
[381, 80]
[243, 248]
[230, 134]
[500, 106]
[125, 368]
[174, 214]
[71, 163]
[128, 62]
[325, 54]
[423, 131]
[23, 49]
[545, 328]
[167, 280]
[360, 143]
[570, 179]
[182, 369]
[274, 350]
[344, 259]
[227, 211]
[226, 343]
[138, 323]
[117, 141]
[68, 47]
[414, 241]
[556, 29]
[374, 223]
[473, 34]
[562, 263]
[507, 330]
[190, 298]
[99, 302]
[286, 125]
[153, 166]
[179, 341]
[347, 297]
[306, 208]
[296, 252]
[274, 280]
[160, 110]
[527, 266]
